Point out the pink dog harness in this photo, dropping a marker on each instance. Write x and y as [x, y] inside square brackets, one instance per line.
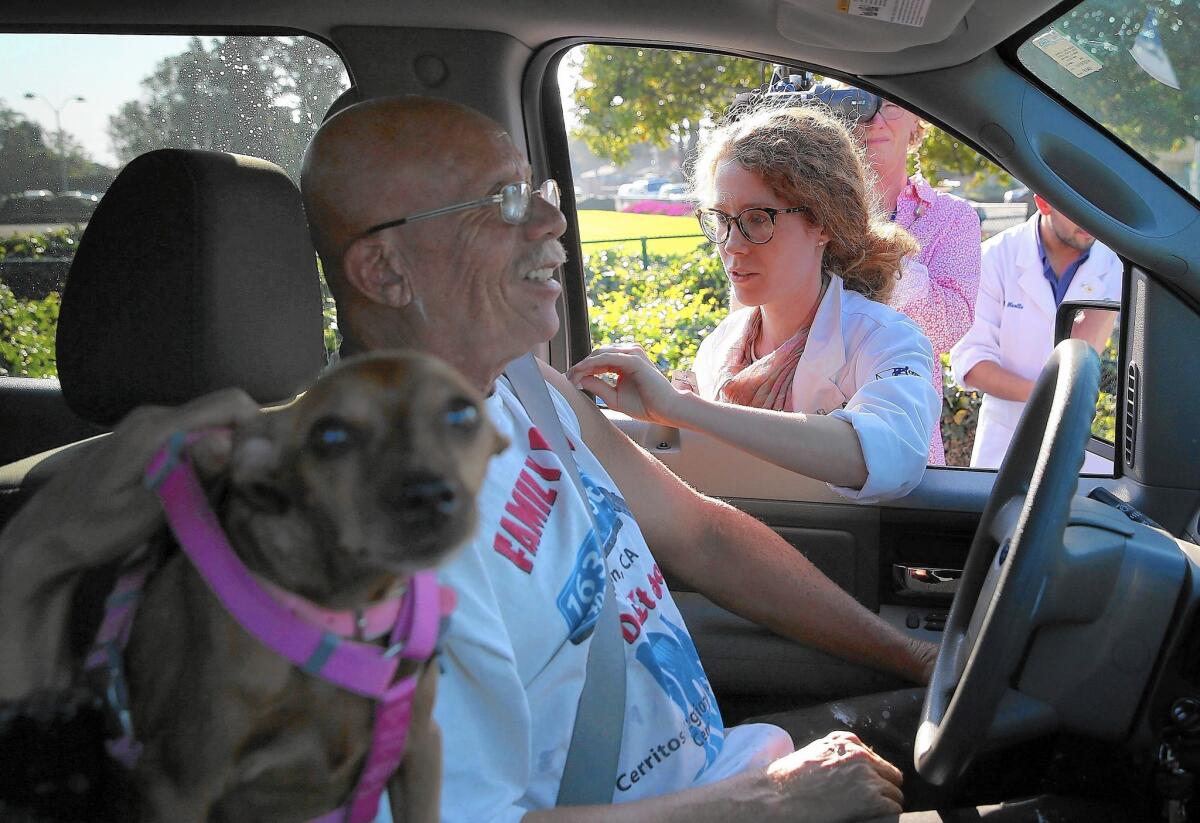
[319, 641]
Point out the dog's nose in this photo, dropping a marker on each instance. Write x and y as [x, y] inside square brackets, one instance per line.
[421, 496]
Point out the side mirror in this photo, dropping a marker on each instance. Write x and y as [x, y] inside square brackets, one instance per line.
[1099, 323]
[1091, 320]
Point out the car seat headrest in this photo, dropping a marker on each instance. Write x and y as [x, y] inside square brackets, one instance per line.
[195, 272]
[345, 100]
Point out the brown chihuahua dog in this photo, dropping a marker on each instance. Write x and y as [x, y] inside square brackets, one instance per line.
[337, 498]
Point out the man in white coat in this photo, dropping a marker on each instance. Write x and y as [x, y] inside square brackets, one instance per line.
[1027, 271]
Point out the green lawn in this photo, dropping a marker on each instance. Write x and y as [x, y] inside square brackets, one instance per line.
[612, 225]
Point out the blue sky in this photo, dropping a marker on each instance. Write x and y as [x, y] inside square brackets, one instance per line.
[104, 69]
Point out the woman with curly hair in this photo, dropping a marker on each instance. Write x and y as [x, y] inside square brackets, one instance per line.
[815, 374]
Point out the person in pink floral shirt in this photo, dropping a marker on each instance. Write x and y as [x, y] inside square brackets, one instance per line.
[938, 287]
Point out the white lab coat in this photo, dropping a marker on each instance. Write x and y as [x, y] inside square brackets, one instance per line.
[864, 363]
[1014, 327]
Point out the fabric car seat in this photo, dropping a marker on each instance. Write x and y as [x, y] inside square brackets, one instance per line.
[195, 273]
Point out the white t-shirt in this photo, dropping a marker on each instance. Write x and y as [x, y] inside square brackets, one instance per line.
[513, 658]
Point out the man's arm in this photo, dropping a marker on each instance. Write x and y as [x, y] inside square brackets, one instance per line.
[738, 562]
[835, 778]
[992, 378]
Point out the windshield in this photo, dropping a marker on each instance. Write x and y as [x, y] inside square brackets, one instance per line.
[1135, 69]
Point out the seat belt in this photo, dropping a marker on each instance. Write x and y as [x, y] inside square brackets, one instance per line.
[591, 765]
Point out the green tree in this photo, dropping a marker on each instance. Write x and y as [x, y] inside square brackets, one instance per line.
[25, 160]
[626, 96]
[942, 153]
[29, 159]
[262, 96]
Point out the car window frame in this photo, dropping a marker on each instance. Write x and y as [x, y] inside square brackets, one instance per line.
[549, 151]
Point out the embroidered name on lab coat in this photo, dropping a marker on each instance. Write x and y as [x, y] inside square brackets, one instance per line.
[1012, 305]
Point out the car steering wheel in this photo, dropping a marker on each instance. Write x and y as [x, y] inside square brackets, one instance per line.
[969, 705]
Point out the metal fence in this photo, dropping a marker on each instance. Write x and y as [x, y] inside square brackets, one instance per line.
[644, 241]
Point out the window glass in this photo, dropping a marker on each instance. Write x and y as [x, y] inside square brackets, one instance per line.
[1134, 68]
[75, 108]
[635, 119]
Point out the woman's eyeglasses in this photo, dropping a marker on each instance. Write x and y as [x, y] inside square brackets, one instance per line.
[756, 224]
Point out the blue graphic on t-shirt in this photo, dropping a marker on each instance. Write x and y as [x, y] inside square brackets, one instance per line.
[675, 665]
[583, 594]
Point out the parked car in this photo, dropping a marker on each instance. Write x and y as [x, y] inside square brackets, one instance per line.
[40, 206]
[1020, 194]
[1090, 686]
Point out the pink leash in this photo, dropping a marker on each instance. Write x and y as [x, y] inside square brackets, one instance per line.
[317, 640]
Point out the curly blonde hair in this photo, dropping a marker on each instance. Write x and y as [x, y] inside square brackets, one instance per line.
[809, 158]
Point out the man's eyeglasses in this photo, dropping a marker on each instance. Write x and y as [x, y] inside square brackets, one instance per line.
[756, 224]
[890, 111]
[514, 201]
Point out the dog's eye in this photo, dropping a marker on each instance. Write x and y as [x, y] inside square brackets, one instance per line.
[331, 437]
[462, 414]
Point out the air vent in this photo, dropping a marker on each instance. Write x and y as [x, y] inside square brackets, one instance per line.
[1132, 385]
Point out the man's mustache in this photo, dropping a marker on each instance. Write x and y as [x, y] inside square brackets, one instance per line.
[551, 255]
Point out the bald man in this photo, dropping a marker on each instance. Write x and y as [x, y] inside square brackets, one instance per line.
[400, 195]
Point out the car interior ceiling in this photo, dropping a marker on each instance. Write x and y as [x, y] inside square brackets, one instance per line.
[955, 71]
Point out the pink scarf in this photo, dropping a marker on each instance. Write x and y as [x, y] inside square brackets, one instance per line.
[765, 383]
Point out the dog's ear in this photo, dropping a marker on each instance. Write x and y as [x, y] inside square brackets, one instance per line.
[255, 462]
[375, 272]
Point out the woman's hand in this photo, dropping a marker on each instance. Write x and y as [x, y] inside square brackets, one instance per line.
[641, 390]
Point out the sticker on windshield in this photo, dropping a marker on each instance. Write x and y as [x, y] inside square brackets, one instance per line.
[1061, 50]
[904, 12]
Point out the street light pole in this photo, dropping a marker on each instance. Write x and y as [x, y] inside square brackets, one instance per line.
[62, 143]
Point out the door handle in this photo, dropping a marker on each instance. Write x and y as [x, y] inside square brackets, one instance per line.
[914, 580]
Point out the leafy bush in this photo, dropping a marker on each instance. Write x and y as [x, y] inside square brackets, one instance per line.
[27, 335]
[960, 416]
[333, 335]
[667, 307]
[55, 243]
[27, 325]
[1104, 425]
